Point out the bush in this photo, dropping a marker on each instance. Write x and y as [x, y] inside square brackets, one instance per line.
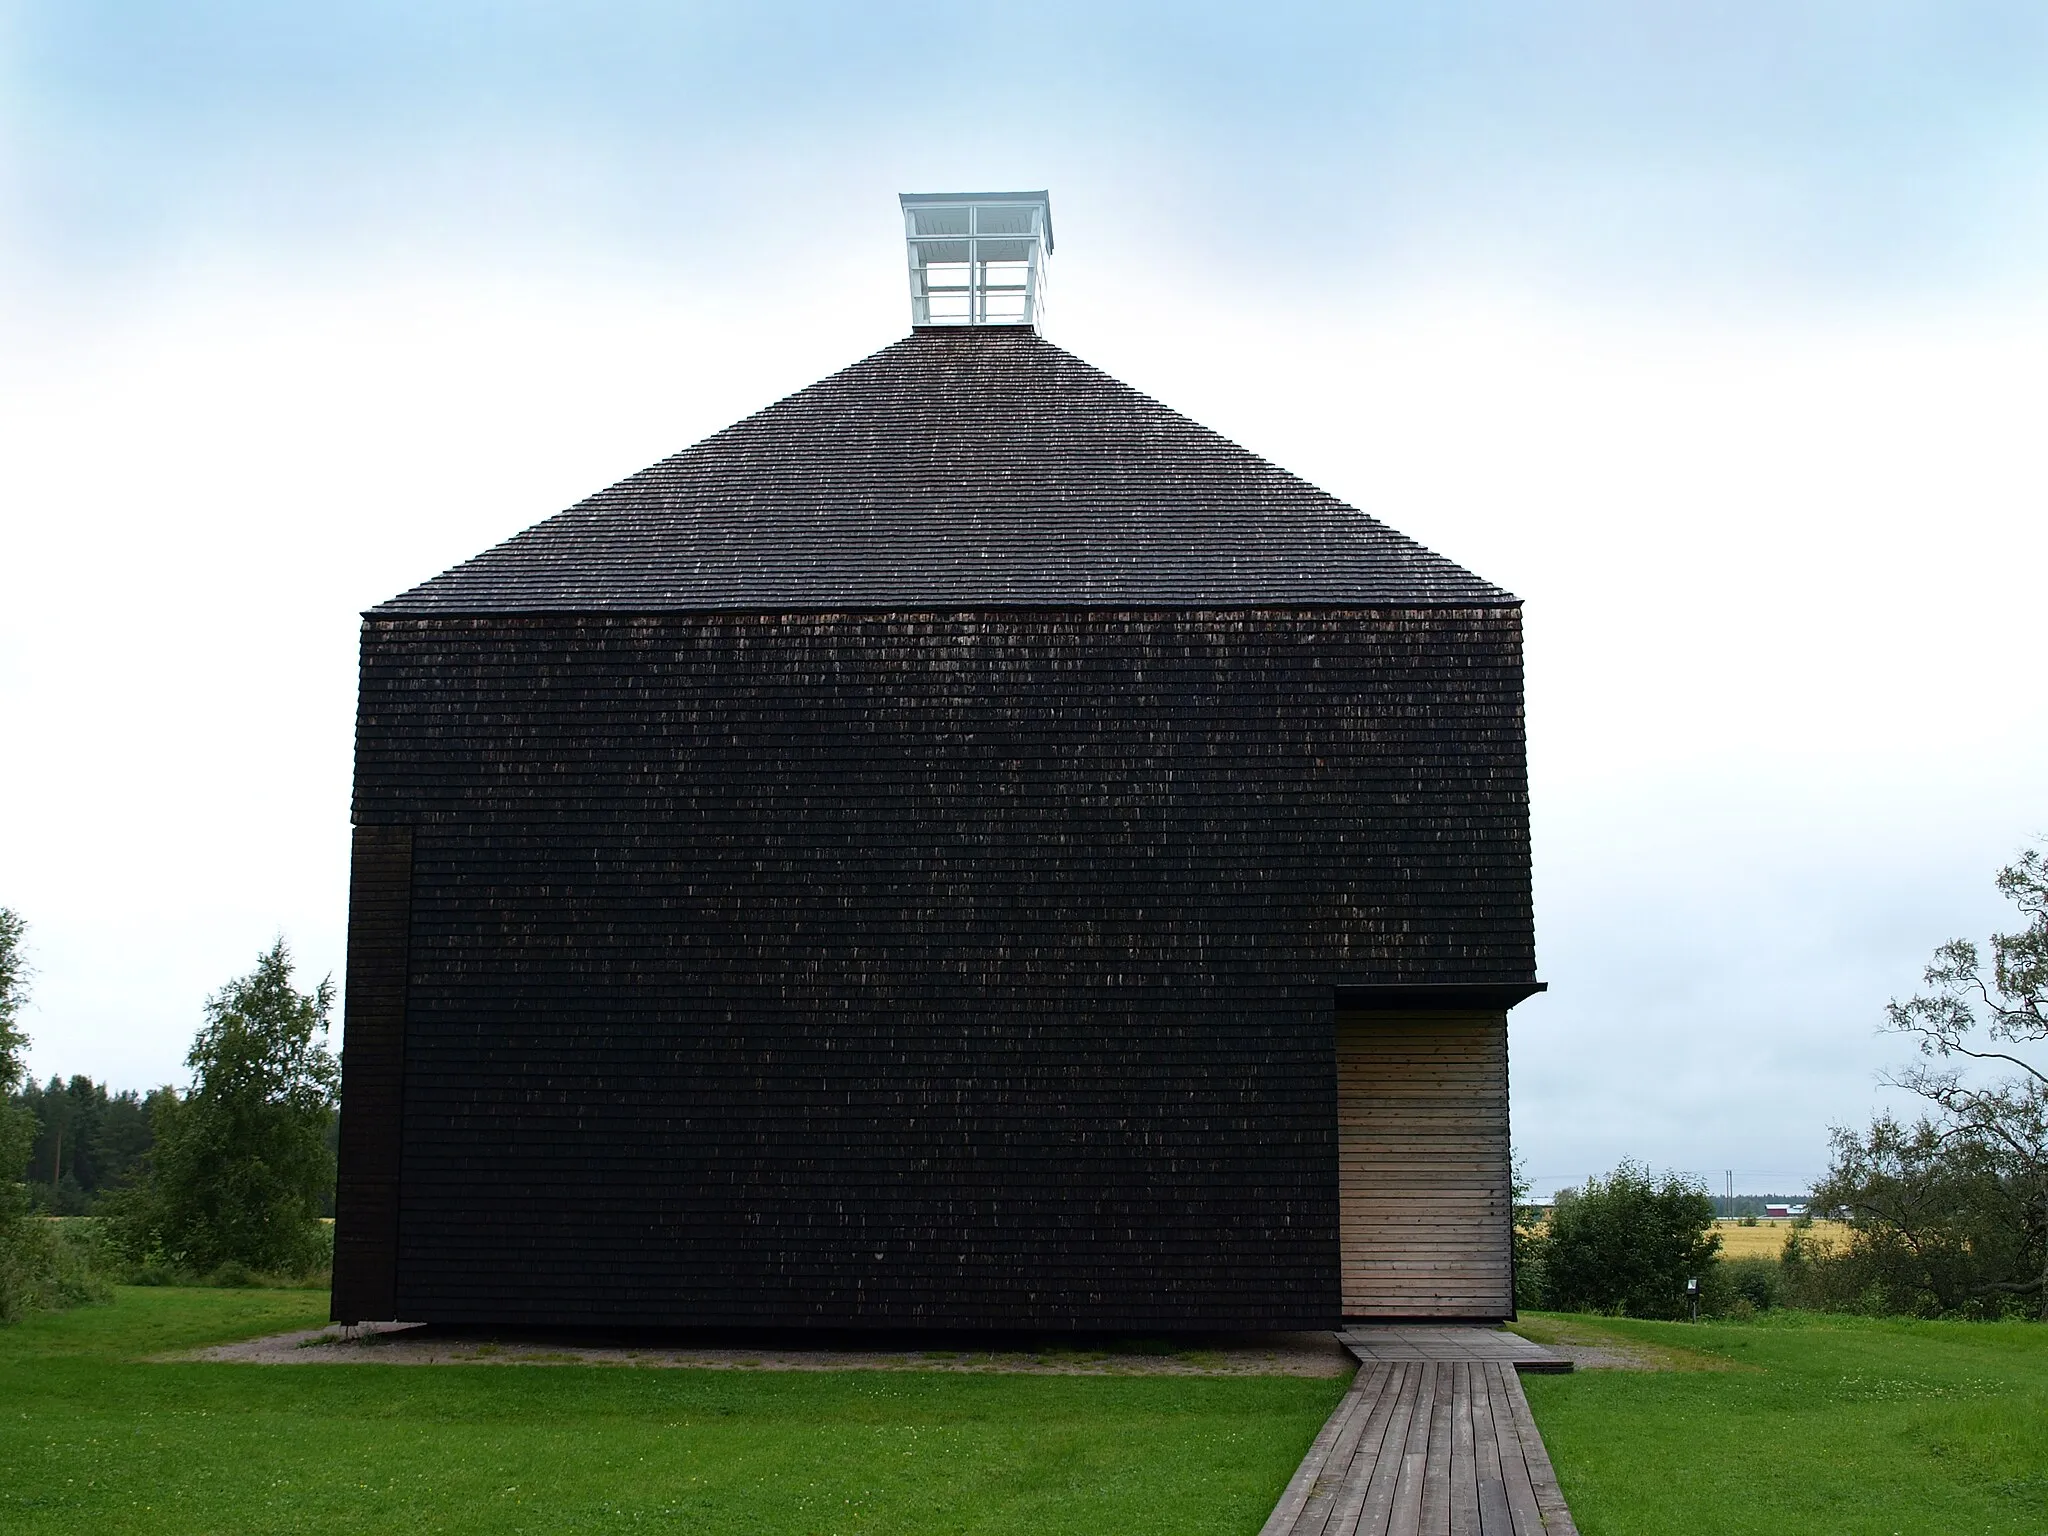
[1529, 1287]
[25, 1253]
[1628, 1244]
[159, 1268]
[48, 1264]
[155, 1269]
[1744, 1287]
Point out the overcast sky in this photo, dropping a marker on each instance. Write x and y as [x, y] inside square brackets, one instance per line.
[1715, 331]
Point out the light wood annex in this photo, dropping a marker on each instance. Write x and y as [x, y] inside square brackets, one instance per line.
[1423, 1176]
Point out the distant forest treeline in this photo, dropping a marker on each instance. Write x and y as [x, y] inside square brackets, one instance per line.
[88, 1140]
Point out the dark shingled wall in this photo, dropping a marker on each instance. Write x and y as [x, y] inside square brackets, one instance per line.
[964, 969]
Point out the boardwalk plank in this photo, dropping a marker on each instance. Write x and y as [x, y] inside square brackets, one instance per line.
[1495, 1518]
[1314, 1519]
[1376, 1497]
[1288, 1510]
[1405, 1516]
[1367, 1458]
[1436, 1487]
[1514, 1463]
[1464, 1483]
[1557, 1516]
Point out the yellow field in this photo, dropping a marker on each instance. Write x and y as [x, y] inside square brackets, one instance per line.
[1766, 1240]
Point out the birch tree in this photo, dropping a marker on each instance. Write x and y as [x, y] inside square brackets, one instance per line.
[1982, 1033]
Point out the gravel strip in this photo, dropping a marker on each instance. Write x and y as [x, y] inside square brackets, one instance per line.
[1594, 1349]
[1266, 1354]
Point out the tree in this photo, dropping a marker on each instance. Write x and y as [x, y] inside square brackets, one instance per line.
[13, 993]
[60, 1117]
[18, 1259]
[1628, 1244]
[1936, 1224]
[241, 1164]
[1525, 1238]
[1959, 1202]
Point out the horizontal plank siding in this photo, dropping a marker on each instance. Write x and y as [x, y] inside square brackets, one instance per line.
[1423, 1176]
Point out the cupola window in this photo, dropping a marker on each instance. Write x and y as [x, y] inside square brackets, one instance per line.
[977, 258]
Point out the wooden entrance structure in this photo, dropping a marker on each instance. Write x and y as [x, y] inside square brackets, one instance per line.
[1424, 1177]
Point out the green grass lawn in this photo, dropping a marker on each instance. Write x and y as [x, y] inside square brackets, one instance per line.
[93, 1439]
[1845, 1426]
[1835, 1425]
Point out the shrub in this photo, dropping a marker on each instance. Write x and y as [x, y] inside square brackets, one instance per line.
[1627, 1244]
[1529, 1286]
[159, 1268]
[1756, 1285]
[46, 1265]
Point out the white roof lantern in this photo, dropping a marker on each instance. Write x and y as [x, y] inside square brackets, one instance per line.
[977, 258]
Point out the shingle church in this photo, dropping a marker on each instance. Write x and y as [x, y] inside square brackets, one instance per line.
[965, 847]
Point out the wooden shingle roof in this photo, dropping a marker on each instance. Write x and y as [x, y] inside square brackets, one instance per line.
[961, 468]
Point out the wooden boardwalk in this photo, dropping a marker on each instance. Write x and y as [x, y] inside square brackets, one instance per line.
[1373, 1343]
[1427, 1447]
